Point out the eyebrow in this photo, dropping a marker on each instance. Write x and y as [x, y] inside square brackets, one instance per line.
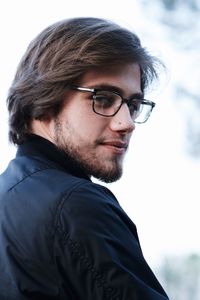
[113, 88]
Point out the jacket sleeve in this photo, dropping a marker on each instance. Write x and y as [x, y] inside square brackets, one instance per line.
[97, 250]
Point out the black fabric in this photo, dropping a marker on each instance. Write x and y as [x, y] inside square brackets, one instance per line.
[65, 237]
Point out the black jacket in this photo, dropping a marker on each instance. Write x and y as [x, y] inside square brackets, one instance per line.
[65, 237]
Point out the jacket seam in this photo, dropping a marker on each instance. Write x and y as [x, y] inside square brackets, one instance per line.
[56, 218]
[75, 249]
[97, 276]
[29, 175]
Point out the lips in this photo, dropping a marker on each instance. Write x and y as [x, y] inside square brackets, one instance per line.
[116, 145]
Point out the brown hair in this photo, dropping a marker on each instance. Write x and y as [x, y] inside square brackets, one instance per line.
[58, 56]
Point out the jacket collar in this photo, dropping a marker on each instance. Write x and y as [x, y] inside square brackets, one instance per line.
[38, 146]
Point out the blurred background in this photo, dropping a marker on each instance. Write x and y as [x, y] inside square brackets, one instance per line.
[160, 186]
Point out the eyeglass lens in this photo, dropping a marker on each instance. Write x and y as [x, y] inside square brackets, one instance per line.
[108, 103]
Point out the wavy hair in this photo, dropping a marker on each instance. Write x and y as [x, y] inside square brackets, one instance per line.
[58, 56]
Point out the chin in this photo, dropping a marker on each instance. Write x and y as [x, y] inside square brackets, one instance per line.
[109, 176]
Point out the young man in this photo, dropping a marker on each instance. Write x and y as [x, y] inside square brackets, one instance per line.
[73, 105]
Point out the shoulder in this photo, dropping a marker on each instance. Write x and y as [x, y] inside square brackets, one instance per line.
[88, 197]
[23, 172]
[92, 209]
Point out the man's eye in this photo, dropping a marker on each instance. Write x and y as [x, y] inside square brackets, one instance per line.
[135, 106]
[105, 99]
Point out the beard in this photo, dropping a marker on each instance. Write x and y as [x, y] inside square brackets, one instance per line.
[106, 169]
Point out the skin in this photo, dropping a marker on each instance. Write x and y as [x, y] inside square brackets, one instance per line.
[96, 142]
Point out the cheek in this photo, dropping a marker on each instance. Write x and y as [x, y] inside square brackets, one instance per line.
[83, 122]
[89, 127]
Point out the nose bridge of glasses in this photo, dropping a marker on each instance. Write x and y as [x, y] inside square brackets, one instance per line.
[127, 103]
[123, 110]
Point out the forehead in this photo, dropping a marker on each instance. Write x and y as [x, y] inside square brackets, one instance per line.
[125, 77]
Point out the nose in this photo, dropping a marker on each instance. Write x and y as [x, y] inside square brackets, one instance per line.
[122, 121]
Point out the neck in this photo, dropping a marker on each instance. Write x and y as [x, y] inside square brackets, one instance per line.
[43, 128]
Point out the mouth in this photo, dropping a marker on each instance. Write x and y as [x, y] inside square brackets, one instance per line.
[116, 146]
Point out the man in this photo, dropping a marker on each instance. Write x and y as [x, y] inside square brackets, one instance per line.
[73, 105]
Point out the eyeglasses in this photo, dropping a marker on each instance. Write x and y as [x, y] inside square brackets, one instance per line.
[108, 103]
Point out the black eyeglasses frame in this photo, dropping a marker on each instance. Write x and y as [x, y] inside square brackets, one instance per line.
[124, 100]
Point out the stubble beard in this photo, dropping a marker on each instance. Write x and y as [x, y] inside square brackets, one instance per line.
[106, 170]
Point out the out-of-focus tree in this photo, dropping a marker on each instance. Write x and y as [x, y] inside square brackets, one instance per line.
[181, 277]
[180, 21]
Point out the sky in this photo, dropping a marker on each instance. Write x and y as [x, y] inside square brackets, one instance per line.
[160, 186]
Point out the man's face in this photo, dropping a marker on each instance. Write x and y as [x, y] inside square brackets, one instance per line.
[96, 142]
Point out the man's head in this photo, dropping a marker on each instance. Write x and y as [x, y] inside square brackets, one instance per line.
[44, 99]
